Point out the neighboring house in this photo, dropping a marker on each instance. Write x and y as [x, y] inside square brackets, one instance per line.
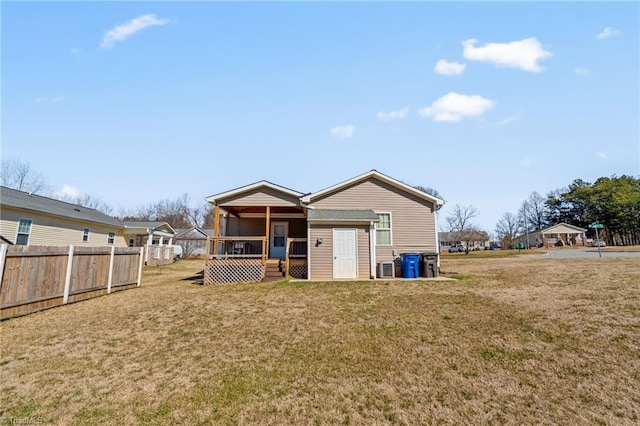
[140, 234]
[30, 219]
[341, 232]
[476, 240]
[561, 234]
[193, 241]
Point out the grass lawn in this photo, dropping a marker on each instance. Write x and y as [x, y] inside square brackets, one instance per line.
[519, 339]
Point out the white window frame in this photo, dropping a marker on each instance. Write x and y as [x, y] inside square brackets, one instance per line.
[111, 238]
[132, 241]
[18, 233]
[390, 229]
[85, 235]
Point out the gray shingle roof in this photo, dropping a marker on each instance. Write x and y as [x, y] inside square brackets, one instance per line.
[131, 224]
[342, 215]
[37, 203]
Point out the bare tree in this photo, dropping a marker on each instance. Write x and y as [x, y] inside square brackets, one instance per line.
[176, 212]
[534, 210]
[430, 191]
[459, 221]
[460, 218]
[507, 229]
[18, 175]
[89, 201]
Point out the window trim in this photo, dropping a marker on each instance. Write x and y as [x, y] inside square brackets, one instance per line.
[85, 235]
[390, 228]
[18, 233]
[111, 238]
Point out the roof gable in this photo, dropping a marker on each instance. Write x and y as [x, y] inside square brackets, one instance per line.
[560, 225]
[37, 203]
[194, 233]
[144, 227]
[271, 189]
[309, 198]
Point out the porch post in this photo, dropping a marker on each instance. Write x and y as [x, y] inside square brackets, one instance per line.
[216, 227]
[266, 231]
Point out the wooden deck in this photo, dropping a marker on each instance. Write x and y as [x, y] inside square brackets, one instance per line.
[245, 259]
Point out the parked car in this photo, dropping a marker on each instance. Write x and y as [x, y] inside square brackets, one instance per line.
[458, 248]
[598, 243]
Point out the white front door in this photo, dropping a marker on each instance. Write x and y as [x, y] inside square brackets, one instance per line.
[278, 239]
[345, 256]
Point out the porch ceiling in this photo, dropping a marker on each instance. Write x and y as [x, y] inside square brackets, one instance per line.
[237, 210]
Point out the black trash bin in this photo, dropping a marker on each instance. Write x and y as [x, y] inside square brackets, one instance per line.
[429, 265]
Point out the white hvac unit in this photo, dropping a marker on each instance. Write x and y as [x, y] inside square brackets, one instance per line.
[386, 270]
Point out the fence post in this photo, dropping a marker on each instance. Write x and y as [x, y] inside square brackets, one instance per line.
[113, 252]
[140, 267]
[3, 259]
[67, 280]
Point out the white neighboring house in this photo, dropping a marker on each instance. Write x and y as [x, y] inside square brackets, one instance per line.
[560, 234]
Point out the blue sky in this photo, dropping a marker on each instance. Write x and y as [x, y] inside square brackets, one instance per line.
[485, 102]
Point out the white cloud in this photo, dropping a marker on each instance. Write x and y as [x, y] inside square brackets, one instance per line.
[581, 71]
[343, 132]
[75, 51]
[393, 115]
[449, 68]
[454, 107]
[43, 99]
[126, 30]
[510, 119]
[523, 54]
[67, 192]
[603, 155]
[607, 33]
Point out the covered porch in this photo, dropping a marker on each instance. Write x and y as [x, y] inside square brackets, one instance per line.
[259, 233]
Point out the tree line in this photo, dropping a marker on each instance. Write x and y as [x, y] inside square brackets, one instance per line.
[612, 201]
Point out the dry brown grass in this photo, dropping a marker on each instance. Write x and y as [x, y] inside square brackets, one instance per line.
[516, 340]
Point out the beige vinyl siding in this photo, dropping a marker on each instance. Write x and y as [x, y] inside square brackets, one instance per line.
[412, 218]
[56, 231]
[260, 197]
[322, 255]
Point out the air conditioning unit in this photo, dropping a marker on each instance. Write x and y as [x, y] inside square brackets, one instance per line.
[386, 270]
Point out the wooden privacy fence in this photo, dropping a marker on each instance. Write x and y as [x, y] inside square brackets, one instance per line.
[33, 278]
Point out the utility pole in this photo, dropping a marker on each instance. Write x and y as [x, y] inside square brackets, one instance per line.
[526, 224]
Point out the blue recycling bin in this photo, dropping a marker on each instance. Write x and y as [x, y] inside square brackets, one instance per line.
[410, 265]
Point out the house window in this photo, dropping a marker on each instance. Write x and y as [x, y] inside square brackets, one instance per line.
[24, 231]
[131, 241]
[111, 238]
[383, 230]
[85, 235]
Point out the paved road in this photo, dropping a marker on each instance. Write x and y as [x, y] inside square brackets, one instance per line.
[587, 253]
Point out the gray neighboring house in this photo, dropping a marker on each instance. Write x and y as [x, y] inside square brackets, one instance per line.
[193, 241]
[477, 241]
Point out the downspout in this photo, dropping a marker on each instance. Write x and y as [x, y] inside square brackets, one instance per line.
[435, 225]
[372, 250]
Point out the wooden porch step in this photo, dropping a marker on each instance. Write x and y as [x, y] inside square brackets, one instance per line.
[273, 270]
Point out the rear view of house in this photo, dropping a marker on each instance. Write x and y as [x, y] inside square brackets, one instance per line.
[341, 232]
